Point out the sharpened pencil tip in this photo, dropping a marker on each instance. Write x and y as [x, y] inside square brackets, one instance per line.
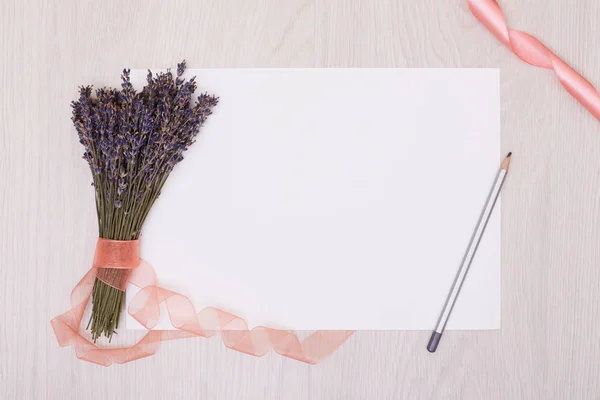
[506, 162]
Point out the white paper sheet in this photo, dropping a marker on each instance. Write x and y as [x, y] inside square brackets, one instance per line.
[334, 199]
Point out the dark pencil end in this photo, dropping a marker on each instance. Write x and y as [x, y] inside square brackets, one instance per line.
[509, 154]
[434, 341]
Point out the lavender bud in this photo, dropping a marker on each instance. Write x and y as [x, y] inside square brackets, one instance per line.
[181, 68]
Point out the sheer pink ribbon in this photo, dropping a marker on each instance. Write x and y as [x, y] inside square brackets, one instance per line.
[145, 308]
[532, 51]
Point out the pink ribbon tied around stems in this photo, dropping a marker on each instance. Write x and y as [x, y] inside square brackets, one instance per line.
[145, 308]
[533, 52]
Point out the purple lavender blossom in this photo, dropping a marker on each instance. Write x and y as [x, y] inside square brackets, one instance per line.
[132, 140]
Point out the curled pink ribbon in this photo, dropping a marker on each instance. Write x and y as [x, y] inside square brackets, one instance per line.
[145, 308]
[533, 52]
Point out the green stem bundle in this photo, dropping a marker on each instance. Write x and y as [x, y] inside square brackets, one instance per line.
[108, 301]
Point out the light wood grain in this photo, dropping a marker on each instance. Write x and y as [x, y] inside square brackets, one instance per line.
[549, 344]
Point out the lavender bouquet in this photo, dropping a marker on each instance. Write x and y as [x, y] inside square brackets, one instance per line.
[132, 142]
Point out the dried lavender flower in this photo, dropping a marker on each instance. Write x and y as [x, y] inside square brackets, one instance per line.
[132, 141]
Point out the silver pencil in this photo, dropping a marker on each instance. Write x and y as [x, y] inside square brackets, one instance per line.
[469, 254]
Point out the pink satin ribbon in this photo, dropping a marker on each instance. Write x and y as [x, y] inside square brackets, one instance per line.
[533, 52]
[145, 308]
[114, 260]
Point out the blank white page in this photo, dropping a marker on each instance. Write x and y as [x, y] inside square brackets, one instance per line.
[334, 199]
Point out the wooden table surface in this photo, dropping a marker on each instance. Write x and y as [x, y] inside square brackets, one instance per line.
[549, 344]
